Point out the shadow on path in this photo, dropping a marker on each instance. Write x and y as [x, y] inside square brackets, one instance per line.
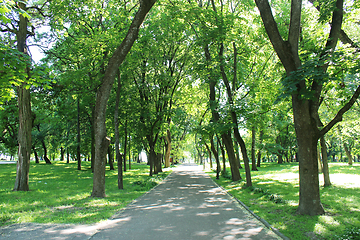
[187, 205]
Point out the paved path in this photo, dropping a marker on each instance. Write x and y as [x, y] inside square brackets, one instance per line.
[187, 205]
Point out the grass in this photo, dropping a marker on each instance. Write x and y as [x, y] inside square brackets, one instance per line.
[61, 194]
[275, 194]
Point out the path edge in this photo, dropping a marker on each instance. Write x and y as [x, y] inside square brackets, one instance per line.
[263, 221]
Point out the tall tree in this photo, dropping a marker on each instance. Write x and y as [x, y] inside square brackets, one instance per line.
[306, 94]
[19, 27]
[102, 96]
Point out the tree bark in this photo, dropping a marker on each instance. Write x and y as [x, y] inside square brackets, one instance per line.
[234, 118]
[223, 155]
[117, 135]
[25, 116]
[78, 153]
[348, 154]
[259, 151]
[36, 155]
[216, 155]
[111, 157]
[103, 93]
[125, 145]
[305, 111]
[47, 160]
[226, 136]
[168, 148]
[325, 162]
[253, 160]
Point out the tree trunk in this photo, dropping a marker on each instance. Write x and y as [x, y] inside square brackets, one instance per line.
[223, 156]
[67, 155]
[216, 155]
[168, 148]
[253, 160]
[25, 116]
[319, 161]
[125, 145]
[102, 97]
[226, 137]
[117, 135]
[92, 141]
[111, 157]
[36, 155]
[47, 160]
[236, 144]
[151, 159]
[129, 150]
[325, 162]
[209, 153]
[78, 153]
[305, 111]
[120, 169]
[348, 154]
[259, 151]
[306, 132]
[62, 154]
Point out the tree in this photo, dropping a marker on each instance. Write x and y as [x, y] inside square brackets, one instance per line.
[19, 27]
[306, 92]
[102, 96]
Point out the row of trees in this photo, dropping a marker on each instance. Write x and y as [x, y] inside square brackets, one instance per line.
[196, 76]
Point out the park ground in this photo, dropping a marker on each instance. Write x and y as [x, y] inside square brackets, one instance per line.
[60, 194]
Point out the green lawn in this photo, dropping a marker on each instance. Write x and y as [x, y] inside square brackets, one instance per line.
[60, 194]
[275, 194]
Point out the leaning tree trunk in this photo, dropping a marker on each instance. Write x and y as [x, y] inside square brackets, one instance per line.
[168, 148]
[348, 154]
[216, 155]
[47, 160]
[225, 136]
[25, 116]
[102, 97]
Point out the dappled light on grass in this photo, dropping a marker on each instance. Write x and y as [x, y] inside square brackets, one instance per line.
[275, 197]
[59, 193]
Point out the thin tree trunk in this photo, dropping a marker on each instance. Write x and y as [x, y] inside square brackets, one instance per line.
[111, 157]
[36, 155]
[78, 154]
[253, 160]
[226, 137]
[168, 148]
[326, 173]
[216, 155]
[223, 156]
[47, 160]
[129, 150]
[237, 150]
[209, 153]
[62, 154]
[348, 154]
[125, 144]
[259, 151]
[319, 161]
[102, 97]
[117, 135]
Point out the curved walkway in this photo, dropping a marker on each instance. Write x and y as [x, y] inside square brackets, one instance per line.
[187, 205]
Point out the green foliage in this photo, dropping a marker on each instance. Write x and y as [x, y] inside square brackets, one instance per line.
[60, 193]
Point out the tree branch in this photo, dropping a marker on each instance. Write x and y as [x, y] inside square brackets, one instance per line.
[342, 111]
